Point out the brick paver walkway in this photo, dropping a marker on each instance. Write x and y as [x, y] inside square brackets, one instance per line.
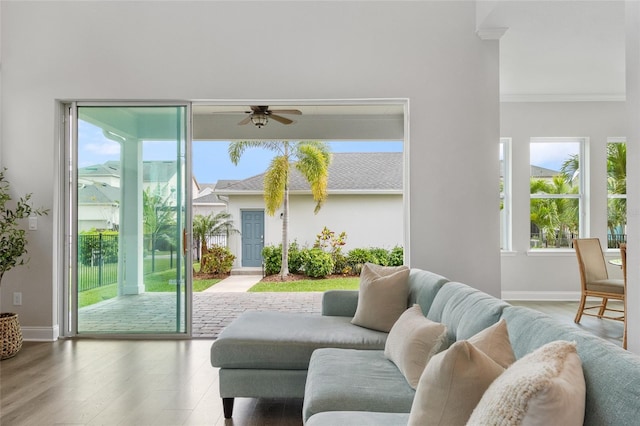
[156, 312]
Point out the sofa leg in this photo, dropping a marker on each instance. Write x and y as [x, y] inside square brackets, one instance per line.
[227, 407]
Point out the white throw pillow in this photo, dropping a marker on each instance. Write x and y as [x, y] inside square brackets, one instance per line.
[383, 296]
[451, 386]
[545, 387]
[412, 341]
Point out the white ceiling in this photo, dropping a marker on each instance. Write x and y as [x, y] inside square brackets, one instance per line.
[559, 50]
[552, 50]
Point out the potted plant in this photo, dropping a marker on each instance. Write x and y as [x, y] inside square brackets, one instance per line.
[13, 248]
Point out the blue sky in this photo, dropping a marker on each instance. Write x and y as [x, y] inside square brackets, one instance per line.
[210, 158]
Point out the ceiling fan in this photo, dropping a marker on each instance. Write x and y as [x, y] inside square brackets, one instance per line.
[260, 115]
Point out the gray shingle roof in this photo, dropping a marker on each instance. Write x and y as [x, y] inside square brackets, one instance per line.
[98, 193]
[538, 172]
[355, 171]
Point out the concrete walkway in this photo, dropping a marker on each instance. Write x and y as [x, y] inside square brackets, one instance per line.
[234, 283]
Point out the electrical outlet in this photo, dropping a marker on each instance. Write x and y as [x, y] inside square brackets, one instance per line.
[17, 298]
[33, 223]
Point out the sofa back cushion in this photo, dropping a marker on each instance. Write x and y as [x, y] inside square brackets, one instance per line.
[423, 287]
[612, 375]
[464, 310]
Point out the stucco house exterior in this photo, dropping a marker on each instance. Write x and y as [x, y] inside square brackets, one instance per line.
[365, 200]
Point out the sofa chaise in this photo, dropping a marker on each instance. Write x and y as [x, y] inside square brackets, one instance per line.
[345, 378]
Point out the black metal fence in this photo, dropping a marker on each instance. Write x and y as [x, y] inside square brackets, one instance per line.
[540, 240]
[97, 260]
[211, 240]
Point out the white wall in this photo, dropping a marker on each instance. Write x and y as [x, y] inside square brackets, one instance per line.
[425, 51]
[554, 274]
[369, 220]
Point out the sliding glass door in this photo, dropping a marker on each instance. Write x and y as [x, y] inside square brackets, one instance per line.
[128, 220]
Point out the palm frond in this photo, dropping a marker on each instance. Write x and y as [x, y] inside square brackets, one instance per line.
[275, 183]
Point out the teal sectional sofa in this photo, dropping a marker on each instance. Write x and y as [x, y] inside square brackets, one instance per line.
[341, 372]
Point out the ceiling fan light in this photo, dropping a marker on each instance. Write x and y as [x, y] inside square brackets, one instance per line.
[259, 120]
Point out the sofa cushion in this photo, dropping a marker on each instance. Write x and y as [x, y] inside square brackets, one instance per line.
[545, 387]
[412, 341]
[382, 297]
[452, 385]
[354, 380]
[612, 375]
[358, 418]
[464, 310]
[494, 341]
[282, 340]
[423, 287]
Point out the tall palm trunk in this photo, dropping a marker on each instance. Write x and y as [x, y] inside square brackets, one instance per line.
[284, 270]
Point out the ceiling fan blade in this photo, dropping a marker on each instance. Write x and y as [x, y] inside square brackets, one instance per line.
[286, 111]
[245, 121]
[279, 119]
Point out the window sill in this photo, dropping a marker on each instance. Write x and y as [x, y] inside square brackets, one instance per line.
[551, 252]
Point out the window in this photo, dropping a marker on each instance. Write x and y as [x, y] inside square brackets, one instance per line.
[616, 192]
[556, 188]
[505, 193]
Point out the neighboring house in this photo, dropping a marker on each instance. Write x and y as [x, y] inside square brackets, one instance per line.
[538, 172]
[365, 200]
[206, 202]
[99, 191]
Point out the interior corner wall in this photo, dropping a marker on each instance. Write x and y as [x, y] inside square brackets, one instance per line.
[427, 52]
[554, 275]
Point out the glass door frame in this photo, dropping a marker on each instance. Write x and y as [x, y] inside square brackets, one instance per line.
[68, 234]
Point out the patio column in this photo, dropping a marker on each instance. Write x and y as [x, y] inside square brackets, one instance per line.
[131, 252]
[632, 26]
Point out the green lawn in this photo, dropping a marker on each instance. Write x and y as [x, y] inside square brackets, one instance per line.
[350, 283]
[156, 282]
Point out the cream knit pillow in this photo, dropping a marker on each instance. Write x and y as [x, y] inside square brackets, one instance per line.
[383, 296]
[545, 387]
[412, 341]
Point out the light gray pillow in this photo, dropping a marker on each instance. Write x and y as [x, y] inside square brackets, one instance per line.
[412, 341]
[383, 296]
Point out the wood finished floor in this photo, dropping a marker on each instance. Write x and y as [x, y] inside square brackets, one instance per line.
[151, 382]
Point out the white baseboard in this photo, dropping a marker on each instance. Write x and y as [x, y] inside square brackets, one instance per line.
[559, 296]
[40, 334]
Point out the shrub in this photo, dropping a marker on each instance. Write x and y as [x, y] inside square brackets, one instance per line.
[396, 256]
[272, 258]
[331, 243]
[358, 257]
[380, 255]
[317, 263]
[217, 260]
[295, 258]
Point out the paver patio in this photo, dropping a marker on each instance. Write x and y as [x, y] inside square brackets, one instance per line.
[212, 311]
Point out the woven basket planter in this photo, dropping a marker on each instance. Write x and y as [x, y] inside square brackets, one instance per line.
[11, 335]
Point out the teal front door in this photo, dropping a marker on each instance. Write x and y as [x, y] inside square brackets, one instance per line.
[252, 237]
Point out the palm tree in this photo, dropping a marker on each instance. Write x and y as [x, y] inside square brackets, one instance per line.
[554, 215]
[218, 224]
[617, 184]
[159, 218]
[310, 158]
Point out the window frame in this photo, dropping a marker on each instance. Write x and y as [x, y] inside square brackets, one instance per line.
[612, 196]
[506, 234]
[583, 189]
